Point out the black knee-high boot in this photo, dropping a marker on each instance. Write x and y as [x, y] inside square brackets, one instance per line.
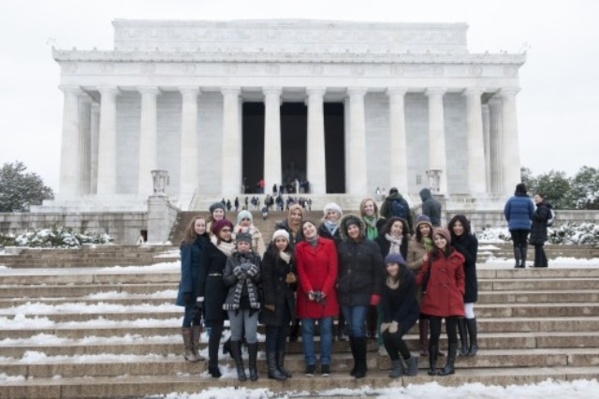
[360, 357]
[253, 356]
[473, 333]
[236, 354]
[463, 336]
[449, 366]
[433, 351]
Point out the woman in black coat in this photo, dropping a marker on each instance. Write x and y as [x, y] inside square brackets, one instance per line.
[400, 311]
[466, 243]
[359, 284]
[212, 291]
[538, 232]
[278, 310]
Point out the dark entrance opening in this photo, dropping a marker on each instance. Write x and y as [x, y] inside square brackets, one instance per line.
[294, 128]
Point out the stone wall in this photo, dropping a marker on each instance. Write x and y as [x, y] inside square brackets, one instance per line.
[124, 227]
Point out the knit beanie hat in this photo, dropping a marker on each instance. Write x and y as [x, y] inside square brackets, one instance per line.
[280, 233]
[423, 219]
[443, 232]
[217, 205]
[244, 237]
[331, 206]
[395, 258]
[244, 215]
[218, 226]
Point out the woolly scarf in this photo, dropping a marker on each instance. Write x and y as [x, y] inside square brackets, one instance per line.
[285, 257]
[251, 288]
[331, 227]
[395, 243]
[371, 230]
[225, 247]
[428, 243]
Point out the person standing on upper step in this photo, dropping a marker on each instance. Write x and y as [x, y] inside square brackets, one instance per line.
[442, 280]
[359, 285]
[466, 243]
[242, 278]
[400, 312]
[538, 233]
[217, 212]
[193, 245]
[279, 282]
[396, 205]
[431, 207]
[316, 259]
[245, 224]
[212, 291]
[518, 212]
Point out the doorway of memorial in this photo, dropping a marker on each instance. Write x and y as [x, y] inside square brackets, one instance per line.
[294, 127]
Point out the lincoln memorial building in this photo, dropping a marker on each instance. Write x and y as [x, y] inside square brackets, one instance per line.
[346, 106]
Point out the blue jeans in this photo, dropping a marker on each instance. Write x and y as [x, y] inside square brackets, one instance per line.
[243, 320]
[355, 317]
[326, 340]
[191, 316]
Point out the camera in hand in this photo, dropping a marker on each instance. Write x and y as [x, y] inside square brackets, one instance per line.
[318, 296]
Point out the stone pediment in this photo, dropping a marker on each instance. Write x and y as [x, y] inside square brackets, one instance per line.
[290, 36]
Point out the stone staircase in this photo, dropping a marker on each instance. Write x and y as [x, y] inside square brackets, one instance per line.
[105, 332]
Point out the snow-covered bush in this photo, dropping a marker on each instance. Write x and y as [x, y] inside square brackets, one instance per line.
[56, 237]
[565, 234]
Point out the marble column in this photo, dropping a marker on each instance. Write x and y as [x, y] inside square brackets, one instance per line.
[107, 141]
[85, 110]
[70, 171]
[346, 124]
[231, 179]
[398, 162]
[93, 150]
[147, 140]
[437, 156]
[497, 150]
[188, 167]
[316, 168]
[511, 147]
[356, 180]
[477, 178]
[273, 163]
[487, 140]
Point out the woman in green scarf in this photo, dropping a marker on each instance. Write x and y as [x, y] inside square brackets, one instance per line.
[369, 212]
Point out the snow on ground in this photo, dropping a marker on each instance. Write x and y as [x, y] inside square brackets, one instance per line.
[580, 389]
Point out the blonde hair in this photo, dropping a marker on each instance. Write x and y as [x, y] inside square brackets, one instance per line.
[376, 208]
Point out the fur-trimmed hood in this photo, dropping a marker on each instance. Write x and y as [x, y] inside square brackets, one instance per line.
[351, 219]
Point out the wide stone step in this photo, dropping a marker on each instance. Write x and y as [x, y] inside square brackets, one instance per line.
[82, 279]
[156, 300]
[138, 386]
[75, 291]
[540, 284]
[506, 297]
[104, 366]
[491, 340]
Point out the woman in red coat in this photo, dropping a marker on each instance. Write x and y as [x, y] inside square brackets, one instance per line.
[316, 260]
[443, 283]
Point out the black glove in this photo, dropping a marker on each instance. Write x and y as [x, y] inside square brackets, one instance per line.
[188, 298]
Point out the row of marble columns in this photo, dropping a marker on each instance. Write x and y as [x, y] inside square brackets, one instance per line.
[492, 141]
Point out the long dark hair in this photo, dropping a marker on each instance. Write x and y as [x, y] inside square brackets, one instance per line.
[190, 234]
[463, 221]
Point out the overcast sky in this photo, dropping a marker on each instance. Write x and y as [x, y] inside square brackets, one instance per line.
[558, 110]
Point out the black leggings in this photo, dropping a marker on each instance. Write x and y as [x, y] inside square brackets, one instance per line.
[451, 324]
[216, 331]
[395, 345]
[519, 237]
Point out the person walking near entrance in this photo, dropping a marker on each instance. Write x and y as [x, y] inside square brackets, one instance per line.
[192, 247]
[442, 280]
[212, 291]
[316, 259]
[518, 212]
[430, 207]
[466, 243]
[359, 285]
[538, 233]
